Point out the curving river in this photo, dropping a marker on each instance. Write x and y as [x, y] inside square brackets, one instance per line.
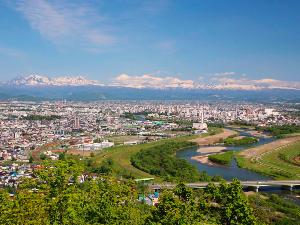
[227, 172]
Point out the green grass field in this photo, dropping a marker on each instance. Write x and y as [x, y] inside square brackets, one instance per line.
[120, 139]
[121, 155]
[222, 158]
[276, 163]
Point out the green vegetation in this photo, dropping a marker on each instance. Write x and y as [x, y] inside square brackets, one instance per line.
[120, 139]
[40, 117]
[222, 158]
[231, 141]
[97, 140]
[160, 161]
[121, 156]
[280, 131]
[217, 125]
[278, 163]
[273, 209]
[57, 197]
[129, 116]
[292, 157]
[31, 159]
[42, 156]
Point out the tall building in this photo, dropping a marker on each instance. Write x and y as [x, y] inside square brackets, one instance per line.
[77, 123]
[16, 135]
[200, 127]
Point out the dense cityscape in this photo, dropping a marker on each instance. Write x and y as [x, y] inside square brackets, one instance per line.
[149, 112]
[28, 127]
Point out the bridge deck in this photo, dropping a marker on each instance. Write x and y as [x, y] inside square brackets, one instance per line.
[260, 183]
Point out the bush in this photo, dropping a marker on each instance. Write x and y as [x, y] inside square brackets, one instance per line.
[281, 130]
[243, 141]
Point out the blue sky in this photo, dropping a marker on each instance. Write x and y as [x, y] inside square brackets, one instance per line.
[190, 40]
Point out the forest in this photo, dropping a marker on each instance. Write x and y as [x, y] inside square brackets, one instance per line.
[160, 161]
[280, 130]
[231, 141]
[57, 195]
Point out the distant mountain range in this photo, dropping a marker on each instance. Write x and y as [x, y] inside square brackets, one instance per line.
[37, 80]
[154, 82]
[37, 88]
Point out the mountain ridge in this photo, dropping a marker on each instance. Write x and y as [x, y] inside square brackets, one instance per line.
[39, 80]
[150, 82]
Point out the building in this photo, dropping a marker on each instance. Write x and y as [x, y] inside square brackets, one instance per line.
[200, 127]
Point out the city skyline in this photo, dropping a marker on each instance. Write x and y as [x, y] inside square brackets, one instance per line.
[130, 43]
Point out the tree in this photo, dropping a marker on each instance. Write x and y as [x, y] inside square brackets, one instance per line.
[30, 159]
[62, 156]
[177, 209]
[232, 204]
[183, 192]
[42, 156]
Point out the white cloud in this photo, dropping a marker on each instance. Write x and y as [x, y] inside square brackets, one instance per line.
[64, 23]
[152, 81]
[219, 81]
[224, 74]
[226, 81]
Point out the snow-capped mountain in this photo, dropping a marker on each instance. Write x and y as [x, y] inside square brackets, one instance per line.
[37, 80]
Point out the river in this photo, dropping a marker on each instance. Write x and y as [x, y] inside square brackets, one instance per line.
[227, 172]
[233, 171]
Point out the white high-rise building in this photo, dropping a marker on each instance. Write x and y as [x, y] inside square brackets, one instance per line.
[76, 123]
[200, 126]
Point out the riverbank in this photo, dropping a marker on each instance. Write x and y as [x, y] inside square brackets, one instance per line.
[214, 149]
[213, 139]
[256, 151]
[269, 159]
[205, 152]
[204, 160]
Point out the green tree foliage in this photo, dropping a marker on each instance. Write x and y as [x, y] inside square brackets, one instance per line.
[280, 130]
[31, 159]
[230, 203]
[160, 161]
[243, 141]
[59, 198]
[224, 204]
[106, 167]
[62, 156]
[42, 156]
[273, 209]
[56, 197]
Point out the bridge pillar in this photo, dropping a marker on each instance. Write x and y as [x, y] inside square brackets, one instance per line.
[253, 188]
[288, 187]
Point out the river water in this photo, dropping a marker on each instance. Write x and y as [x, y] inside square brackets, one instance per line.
[233, 171]
[227, 172]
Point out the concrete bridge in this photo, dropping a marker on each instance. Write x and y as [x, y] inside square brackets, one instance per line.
[290, 184]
